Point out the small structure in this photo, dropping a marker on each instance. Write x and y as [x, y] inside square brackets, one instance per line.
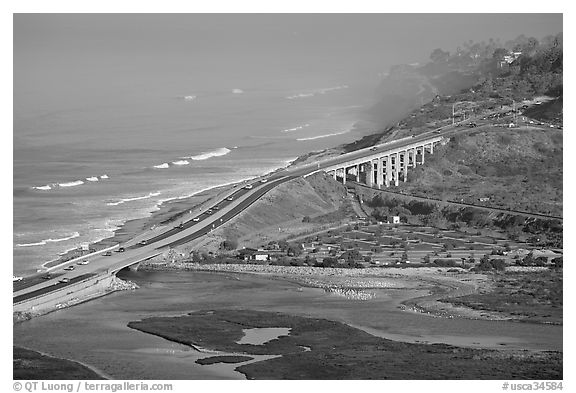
[309, 247]
[484, 199]
[395, 219]
[251, 254]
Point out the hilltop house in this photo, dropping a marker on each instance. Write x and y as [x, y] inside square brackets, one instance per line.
[509, 59]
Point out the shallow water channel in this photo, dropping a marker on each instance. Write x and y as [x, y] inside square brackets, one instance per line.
[96, 333]
[259, 336]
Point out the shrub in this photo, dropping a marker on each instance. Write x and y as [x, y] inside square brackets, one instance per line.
[229, 244]
[444, 263]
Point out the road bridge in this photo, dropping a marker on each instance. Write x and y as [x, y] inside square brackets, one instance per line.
[386, 164]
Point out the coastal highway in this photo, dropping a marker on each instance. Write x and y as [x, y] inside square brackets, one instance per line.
[196, 227]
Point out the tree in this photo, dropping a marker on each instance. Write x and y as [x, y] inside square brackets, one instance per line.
[439, 56]
[229, 244]
[329, 262]
[499, 54]
[557, 263]
[294, 250]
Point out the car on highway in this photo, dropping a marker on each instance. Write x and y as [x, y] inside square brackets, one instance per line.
[69, 268]
[230, 198]
[196, 219]
[216, 207]
[374, 148]
[108, 254]
[263, 180]
[144, 242]
[121, 249]
[85, 262]
[14, 278]
[209, 211]
[64, 280]
[248, 186]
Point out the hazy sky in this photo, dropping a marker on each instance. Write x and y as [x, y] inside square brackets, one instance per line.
[105, 47]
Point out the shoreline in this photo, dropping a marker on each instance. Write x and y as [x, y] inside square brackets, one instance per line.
[166, 212]
[71, 362]
[357, 282]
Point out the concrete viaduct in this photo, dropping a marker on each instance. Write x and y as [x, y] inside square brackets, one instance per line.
[386, 166]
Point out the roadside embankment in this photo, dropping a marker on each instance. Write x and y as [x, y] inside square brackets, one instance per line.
[69, 295]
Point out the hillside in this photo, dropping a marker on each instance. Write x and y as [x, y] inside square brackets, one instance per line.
[414, 98]
[281, 213]
[518, 169]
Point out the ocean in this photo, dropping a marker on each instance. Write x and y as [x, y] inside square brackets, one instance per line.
[87, 162]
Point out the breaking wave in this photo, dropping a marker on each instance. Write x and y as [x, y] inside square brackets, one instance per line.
[45, 241]
[301, 95]
[71, 184]
[162, 166]
[181, 162]
[51, 186]
[296, 128]
[209, 154]
[322, 136]
[237, 91]
[316, 92]
[121, 201]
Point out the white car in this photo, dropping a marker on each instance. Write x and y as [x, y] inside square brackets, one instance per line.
[83, 262]
[15, 278]
[196, 219]
[248, 186]
[263, 180]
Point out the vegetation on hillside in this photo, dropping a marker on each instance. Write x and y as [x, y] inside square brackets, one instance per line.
[486, 73]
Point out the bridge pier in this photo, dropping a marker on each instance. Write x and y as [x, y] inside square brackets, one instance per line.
[369, 169]
[396, 168]
[378, 167]
[406, 159]
[380, 172]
